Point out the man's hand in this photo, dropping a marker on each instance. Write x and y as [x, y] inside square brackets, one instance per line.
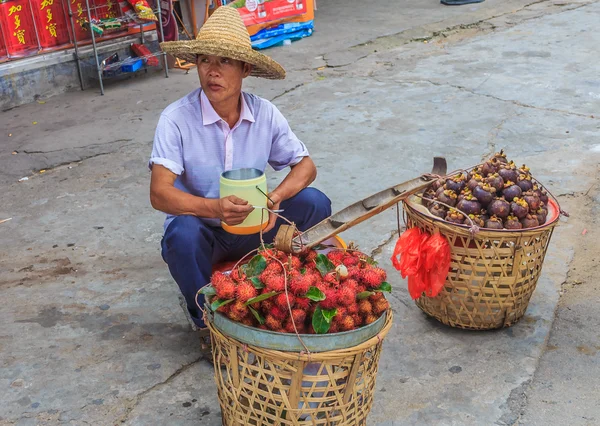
[272, 217]
[233, 210]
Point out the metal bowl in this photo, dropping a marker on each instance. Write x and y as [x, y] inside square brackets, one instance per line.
[288, 342]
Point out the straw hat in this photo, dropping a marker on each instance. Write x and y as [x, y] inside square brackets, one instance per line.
[224, 34]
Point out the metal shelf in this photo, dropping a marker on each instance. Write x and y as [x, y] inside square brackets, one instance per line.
[99, 68]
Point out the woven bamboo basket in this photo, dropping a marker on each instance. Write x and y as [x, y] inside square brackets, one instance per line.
[258, 386]
[492, 274]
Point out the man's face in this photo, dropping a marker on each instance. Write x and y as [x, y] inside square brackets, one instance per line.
[221, 78]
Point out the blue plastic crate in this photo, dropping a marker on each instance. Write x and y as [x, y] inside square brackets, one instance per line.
[133, 65]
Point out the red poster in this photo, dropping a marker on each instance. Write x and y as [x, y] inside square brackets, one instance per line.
[106, 9]
[80, 17]
[259, 11]
[2, 45]
[51, 22]
[18, 28]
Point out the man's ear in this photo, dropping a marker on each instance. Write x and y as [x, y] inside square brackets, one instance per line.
[247, 69]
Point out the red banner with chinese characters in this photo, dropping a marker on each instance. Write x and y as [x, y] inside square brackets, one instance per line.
[51, 23]
[2, 45]
[105, 9]
[18, 28]
[80, 17]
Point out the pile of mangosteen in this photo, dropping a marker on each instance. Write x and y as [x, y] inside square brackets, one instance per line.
[495, 195]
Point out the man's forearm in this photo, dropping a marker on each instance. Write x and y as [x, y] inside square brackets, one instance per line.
[301, 175]
[173, 201]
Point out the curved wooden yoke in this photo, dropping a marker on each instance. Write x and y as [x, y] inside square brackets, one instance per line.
[290, 240]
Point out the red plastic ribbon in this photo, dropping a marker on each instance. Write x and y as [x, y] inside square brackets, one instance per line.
[424, 259]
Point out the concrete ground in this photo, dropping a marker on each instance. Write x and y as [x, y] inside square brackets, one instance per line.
[93, 333]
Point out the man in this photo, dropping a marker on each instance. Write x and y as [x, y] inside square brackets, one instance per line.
[218, 128]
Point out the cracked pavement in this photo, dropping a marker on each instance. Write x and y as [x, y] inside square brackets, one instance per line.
[93, 331]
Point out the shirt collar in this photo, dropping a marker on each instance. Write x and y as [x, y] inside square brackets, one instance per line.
[210, 116]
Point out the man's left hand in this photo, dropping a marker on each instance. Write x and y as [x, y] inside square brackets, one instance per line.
[272, 216]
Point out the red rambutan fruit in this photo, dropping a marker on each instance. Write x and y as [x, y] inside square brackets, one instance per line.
[365, 307]
[353, 308]
[371, 278]
[237, 275]
[334, 328]
[238, 311]
[336, 256]
[347, 323]
[370, 318]
[331, 279]
[300, 284]
[267, 304]
[247, 321]
[281, 300]
[350, 260]
[310, 256]
[224, 286]
[302, 303]
[299, 316]
[381, 272]
[346, 296]
[354, 272]
[357, 319]
[246, 291]
[331, 299]
[275, 283]
[351, 283]
[224, 309]
[289, 327]
[361, 288]
[272, 323]
[263, 327]
[380, 306]
[279, 313]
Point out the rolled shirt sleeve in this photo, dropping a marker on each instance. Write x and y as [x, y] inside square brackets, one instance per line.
[167, 148]
[286, 149]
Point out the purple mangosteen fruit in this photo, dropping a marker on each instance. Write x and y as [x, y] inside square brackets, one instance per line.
[448, 197]
[519, 208]
[490, 167]
[499, 207]
[511, 191]
[494, 223]
[456, 183]
[532, 200]
[541, 214]
[512, 222]
[508, 172]
[484, 193]
[438, 210]
[530, 221]
[455, 217]
[495, 181]
[477, 220]
[524, 170]
[469, 205]
[525, 182]
[474, 181]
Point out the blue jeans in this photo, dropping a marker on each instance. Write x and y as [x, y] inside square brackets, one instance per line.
[191, 247]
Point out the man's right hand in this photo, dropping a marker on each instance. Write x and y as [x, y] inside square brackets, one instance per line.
[233, 210]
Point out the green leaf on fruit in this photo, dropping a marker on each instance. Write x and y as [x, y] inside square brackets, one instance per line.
[364, 294]
[315, 294]
[385, 286]
[257, 283]
[324, 265]
[329, 313]
[371, 261]
[218, 303]
[257, 315]
[303, 271]
[256, 265]
[260, 298]
[319, 322]
[209, 290]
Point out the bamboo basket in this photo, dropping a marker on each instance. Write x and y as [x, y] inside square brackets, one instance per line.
[258, 386]
[492, 274]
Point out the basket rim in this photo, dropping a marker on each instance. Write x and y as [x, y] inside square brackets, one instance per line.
[498, 232]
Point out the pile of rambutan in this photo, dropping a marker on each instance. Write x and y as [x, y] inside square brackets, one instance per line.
[310, 293]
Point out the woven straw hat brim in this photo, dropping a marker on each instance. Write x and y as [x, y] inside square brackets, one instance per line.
[264, 66]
